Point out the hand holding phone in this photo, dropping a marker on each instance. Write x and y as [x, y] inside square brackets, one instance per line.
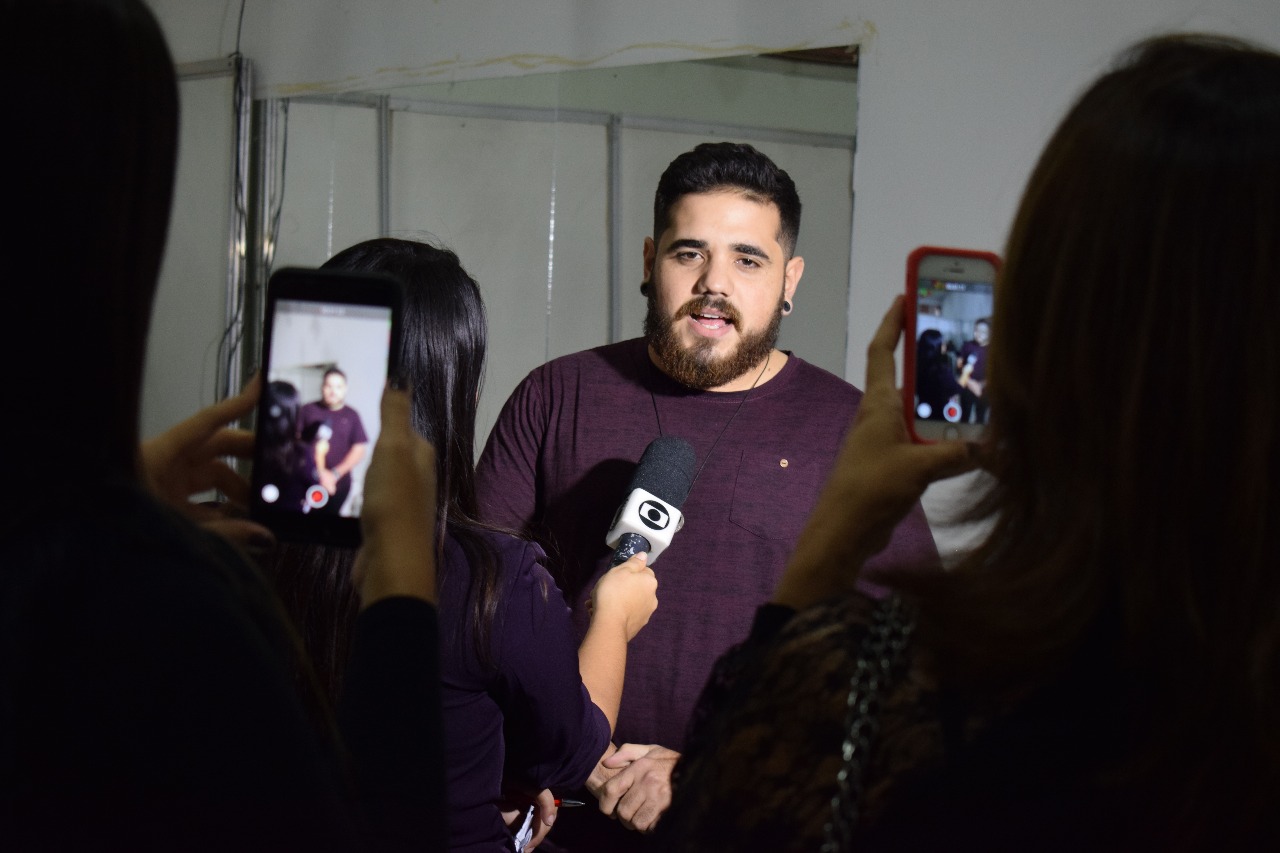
[950, 294]
[329, 340]
[397, 556]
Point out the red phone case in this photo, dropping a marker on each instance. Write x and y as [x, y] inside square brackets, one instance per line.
[910, 309]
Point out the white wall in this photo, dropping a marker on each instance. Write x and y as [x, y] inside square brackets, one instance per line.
[955, 98]
[526, 205]
[187, 344]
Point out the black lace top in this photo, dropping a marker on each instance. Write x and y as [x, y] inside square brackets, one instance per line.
[1051, 771]
[760, 768]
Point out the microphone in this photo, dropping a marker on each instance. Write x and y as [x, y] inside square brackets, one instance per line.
[650, 516]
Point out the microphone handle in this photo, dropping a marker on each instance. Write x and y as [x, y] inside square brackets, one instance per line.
[629, 545]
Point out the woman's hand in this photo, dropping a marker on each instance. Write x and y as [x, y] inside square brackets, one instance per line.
[514, 808]
[626, 595]
[398, 518]
[187, 459]
[621, 603]
[879, 476]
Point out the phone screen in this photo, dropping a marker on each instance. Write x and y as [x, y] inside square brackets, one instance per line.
[328, 344]
[950, 301]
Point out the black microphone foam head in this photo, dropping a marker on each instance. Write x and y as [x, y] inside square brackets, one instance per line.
[666, 469]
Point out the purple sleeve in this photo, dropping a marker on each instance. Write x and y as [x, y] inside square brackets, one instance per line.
[358, 435]
[555, 734]
[506, 475]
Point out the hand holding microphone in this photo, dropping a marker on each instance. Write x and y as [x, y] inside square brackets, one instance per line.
[626, 596]
[650, 516]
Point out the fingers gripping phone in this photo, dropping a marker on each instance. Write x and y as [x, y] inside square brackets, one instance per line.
[329, 342]
[949, 301]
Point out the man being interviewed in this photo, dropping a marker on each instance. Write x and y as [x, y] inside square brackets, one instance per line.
[337, 435]
[720, 272]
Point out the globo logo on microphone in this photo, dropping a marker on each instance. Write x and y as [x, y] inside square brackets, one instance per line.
[654, 515]
[648, 516]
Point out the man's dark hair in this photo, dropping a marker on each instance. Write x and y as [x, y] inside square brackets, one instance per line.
[737, 166]
[334, 371]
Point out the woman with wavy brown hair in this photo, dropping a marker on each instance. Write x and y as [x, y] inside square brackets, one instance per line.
[1103, 671]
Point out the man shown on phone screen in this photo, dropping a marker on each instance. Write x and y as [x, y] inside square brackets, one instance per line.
[337, 438]
[720, 272]
[972, 365]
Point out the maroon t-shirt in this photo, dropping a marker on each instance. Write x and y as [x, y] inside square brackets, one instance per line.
[560, 459]
[345, 425]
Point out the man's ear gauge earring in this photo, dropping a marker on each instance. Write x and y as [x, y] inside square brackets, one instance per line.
[644, 288]
[786, 306]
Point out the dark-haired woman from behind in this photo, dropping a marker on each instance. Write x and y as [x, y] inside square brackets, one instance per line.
[1103, 671]
[288, 458]
[525, 710]
[936, 385]
[146, 694]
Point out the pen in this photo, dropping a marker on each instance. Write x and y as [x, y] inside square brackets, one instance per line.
[567, 804]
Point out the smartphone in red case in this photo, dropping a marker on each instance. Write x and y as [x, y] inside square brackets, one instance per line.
[950, 294]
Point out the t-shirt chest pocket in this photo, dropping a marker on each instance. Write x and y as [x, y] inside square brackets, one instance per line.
[774, 494]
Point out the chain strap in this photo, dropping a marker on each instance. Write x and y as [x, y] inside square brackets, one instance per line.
[880, 654]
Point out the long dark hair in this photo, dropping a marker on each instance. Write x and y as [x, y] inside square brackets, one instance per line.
[442, 363]
[280, 428]
[100, 65]
[930, 350]
[442, 354]
[95, 83]
[1135, 426]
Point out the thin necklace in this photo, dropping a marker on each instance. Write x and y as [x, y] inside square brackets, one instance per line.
[658, 417]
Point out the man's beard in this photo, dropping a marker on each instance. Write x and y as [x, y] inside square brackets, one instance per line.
[698, 366]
